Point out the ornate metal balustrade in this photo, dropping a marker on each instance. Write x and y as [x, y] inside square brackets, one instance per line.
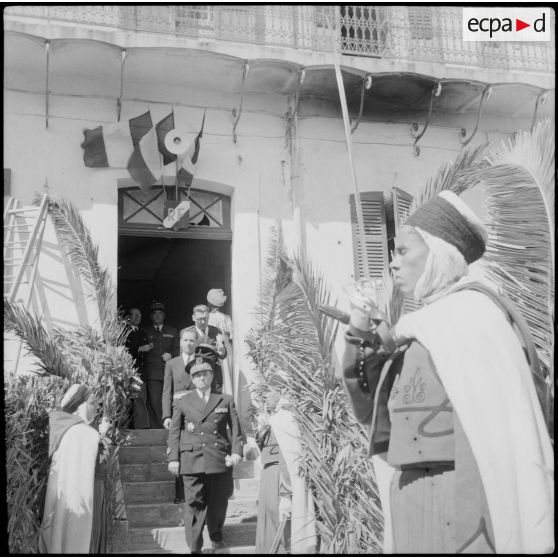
[425, 33]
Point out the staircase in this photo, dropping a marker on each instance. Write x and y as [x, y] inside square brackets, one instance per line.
[155, 523]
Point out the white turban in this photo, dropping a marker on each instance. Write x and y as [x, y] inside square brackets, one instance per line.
[445, 265]
[216, 297]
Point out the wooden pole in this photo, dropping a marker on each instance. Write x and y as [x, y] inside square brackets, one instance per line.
[348, 139]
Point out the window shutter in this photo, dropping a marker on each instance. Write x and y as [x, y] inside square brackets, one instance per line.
[402, 202]
[374, 232]
[7, 182]
[401, 206]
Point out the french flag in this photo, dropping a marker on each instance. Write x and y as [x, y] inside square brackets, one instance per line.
[185, 173]
[138, 146]
[132, 145]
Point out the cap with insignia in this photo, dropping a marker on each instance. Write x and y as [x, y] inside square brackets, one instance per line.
[157, 306]
[199, 364]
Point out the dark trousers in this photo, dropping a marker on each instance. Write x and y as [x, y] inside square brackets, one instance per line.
[206, 499]
[155, 402]
[179, 488]
[141, 416]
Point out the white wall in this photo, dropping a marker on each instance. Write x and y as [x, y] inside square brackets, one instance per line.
[257, 168]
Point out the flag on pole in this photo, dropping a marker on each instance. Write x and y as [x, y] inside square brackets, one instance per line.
[140, 147]
[144, 165]
[163, 128]
[113, 144]
[187, 162]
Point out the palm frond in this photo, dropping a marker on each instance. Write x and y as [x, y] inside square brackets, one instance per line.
[455, 175]
[519, 209]
[296, 338]
[83, 253]
[40, 343]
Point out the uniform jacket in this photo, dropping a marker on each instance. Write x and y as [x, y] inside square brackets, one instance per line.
[421, 426]
[176, 379]
[201, 434]
[165, 341]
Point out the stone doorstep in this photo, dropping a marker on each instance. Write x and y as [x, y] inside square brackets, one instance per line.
[162, 491]
[170, 514]
[146, 437]
[172, 539]
[144, 472]
[151, 465]
[142, 454]
[148, 492]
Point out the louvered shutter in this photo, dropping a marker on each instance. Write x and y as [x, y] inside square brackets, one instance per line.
[375, 235]
[401, 206]
[402, 202]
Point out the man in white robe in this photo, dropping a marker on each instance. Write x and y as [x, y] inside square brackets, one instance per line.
[73, 448]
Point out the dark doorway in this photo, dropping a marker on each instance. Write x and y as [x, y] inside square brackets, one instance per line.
[175, 271]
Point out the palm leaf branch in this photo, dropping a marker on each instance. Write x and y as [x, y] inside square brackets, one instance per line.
[518, 206]
[21, 322]
[83, 254]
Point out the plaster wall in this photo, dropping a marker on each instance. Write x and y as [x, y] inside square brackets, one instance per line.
[265, 184]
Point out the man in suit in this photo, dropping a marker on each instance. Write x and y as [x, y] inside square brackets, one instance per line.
[164, 345]
[137, 344]
[210, 335]
[205, 441]
[177, 382]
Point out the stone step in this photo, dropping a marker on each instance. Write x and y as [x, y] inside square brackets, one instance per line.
[172, 539]
[246, 488]
[138, 472]
[158, 471]
[150, 492]
[142, 454]
[147, 437]
[170, 514]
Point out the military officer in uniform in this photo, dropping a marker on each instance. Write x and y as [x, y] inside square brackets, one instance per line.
[177, 383]
[205, 441]
[164, 346]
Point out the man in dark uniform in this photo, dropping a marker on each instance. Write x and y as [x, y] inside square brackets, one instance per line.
[210, 335]
[137, 344]
[203, 451]
[164, 346]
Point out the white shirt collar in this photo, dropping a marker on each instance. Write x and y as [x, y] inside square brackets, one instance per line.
[187, 358]
[205, 393]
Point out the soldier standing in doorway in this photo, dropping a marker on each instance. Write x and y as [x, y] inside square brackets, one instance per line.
[137, 344]
[164, 346]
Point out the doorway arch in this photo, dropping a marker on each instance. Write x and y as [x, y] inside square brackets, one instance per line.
[177, 265]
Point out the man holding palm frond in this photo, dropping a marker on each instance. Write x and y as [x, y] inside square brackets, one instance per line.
[455, 406]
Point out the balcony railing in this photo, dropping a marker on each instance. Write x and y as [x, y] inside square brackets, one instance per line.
[416, 33]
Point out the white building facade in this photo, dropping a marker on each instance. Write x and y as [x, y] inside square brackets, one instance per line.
[273, 146]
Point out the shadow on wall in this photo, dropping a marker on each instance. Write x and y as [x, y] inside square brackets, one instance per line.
[61, 295]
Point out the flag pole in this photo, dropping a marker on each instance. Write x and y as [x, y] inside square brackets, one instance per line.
[348, 139]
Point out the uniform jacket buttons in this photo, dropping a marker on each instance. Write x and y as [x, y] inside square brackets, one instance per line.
[201, 433]
[215, 432]
[216, 444]
[203, 445]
